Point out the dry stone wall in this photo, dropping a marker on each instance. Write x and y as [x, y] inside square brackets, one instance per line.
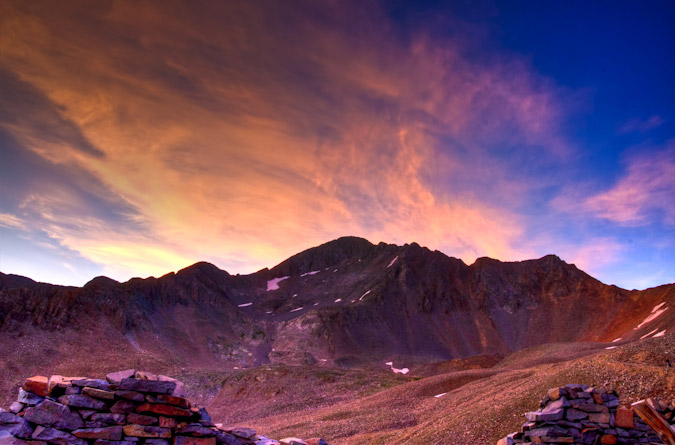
[127, 408]
[580, 414]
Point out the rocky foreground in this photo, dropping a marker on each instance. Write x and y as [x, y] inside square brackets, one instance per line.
[127, 408]
[580, 414]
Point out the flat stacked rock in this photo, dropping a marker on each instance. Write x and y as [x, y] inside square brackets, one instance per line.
[127, 408]
[580, 414]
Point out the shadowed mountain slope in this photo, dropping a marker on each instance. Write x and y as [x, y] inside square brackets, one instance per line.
[346, 303]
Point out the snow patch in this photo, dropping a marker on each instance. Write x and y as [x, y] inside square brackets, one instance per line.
[268, 312]
[655, 313]
[440, 395]
[244, 305]
[647, 335]
[657, 307]
[396, 370]
[392, 262]
[610, 347]
[295, 295]
[364, 295]
[316, 304]
[660, 334]
[297, 309]
[335, 271]
[314, 272]
[274, 284]
[338, 300]
[616, 340]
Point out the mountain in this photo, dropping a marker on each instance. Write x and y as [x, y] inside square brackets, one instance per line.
[345, 303]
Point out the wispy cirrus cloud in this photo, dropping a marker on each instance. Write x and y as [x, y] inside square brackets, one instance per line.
[644, 195]
[641, 125]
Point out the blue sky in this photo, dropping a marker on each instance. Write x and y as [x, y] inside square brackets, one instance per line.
[136, 140]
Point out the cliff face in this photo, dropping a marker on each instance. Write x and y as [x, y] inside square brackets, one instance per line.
[344, 302]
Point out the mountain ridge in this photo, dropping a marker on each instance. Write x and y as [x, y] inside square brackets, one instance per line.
[347, 302]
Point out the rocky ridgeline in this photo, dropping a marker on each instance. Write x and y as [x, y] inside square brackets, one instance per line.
[127, 408]
[580, 414]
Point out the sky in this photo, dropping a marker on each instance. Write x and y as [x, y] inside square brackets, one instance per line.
[139, 137]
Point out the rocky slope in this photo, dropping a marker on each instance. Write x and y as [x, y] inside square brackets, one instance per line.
[345, 303]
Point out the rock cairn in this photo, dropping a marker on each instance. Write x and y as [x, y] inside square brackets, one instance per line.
[127, 408]
[580, 414]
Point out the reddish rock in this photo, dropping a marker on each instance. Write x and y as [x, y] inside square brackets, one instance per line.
[38, 384]
[599, 417]
[169, 400]
[165, 410]
[146, 431]
[624, 417]
[608, 439]
[555, 393]
[107, 433]
[98, 393]
[184, 440]
[123, 407]
[167, 422]
[140, 419]
[130, 395]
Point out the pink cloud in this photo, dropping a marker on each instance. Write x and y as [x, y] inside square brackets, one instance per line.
[647, 187]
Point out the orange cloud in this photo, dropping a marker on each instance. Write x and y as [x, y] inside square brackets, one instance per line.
[241, 134]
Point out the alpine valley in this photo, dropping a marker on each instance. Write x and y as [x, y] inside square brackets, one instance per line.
[355, 342]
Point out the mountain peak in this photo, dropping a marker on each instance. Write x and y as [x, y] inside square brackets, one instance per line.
[325, 255]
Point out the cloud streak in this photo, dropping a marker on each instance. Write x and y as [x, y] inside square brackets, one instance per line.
[647, 189]
[241, 133]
